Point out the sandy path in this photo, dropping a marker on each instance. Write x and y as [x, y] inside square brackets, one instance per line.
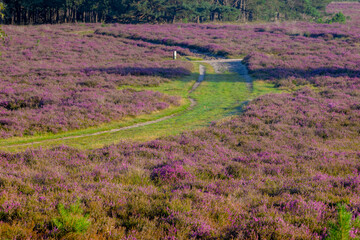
[231, 65]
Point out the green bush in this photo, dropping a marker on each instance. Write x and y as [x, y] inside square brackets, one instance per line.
[71, 220]
[341, 229]
[338, 18]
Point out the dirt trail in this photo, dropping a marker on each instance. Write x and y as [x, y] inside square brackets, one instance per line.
[219, 65]
[201, 78]
[231, 65]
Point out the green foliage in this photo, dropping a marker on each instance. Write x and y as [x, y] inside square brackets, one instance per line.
[2, 8]
[310, 9]
[2, 33]
[71, 220]
[341, 229]
[337, 18]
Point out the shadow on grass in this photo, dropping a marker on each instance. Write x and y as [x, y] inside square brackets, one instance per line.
[140, 71]
[260, 74]
[237, 110]
[281, 73]
[167, 72]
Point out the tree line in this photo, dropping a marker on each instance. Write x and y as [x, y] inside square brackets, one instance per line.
[2, 33]
[158, 11]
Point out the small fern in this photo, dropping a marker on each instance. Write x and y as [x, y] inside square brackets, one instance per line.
[341, 229]
[71, 220]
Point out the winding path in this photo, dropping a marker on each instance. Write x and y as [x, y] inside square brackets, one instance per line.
[231, 65]
[219, 65]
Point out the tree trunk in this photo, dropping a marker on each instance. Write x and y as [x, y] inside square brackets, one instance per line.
[57, 15]
[74, 20]
[18, 15]
[67, 15]
[244, 10]
[24, 17]
[50, 15]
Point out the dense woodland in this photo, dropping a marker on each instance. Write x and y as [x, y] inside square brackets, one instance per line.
[158, 11]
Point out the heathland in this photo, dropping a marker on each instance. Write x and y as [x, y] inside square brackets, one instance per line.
[271, 162]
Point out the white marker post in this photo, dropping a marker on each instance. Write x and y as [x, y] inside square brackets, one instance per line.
[174, 55]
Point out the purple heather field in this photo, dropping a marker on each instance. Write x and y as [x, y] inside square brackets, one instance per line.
[277, 171]
[59, 78]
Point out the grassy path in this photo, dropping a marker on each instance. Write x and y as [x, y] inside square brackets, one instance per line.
[221, 94]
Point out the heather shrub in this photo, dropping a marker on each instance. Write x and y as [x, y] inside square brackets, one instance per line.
[10, 210]
[136, 177]
[169, 174]
[277, 171]
[16, 230]
[237, 170]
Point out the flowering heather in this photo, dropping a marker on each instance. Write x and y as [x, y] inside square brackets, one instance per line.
[271, 38]
[58, 78]
[277, 171]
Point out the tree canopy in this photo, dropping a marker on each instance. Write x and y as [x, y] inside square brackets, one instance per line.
[158, 11]
[2, 8]
[2, 33]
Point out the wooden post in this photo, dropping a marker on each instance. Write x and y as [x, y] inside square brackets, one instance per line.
[174, 55]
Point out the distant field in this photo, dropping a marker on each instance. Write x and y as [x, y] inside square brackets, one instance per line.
[217, 97]
[66, 83]
[61, 78]
[278, 167]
